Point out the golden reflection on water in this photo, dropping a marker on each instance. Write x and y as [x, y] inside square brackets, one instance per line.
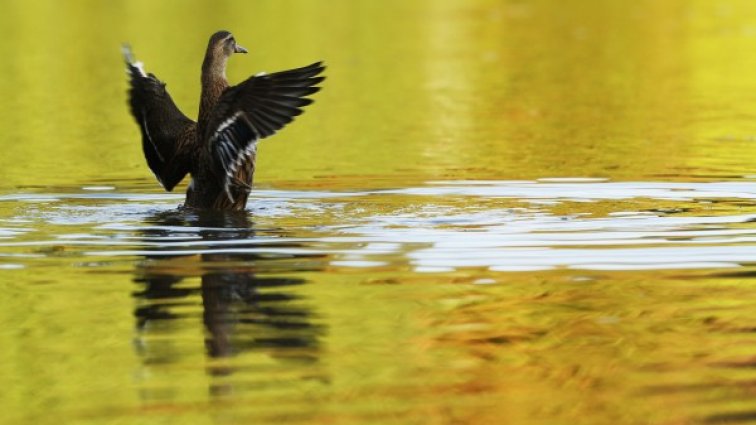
[463, 89]
[416, 91]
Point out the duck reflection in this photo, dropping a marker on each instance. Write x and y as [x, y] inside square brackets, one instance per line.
[246, 304]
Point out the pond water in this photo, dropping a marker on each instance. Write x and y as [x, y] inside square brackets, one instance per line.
[495, 212]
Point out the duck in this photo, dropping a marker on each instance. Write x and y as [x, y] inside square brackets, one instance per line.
[219, 150]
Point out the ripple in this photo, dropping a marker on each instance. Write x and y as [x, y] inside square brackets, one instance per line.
[448, 225]
[587, 190]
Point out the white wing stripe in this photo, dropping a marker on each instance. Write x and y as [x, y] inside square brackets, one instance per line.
[140, 66]
[227, 123]
[233, 147]
[149, 137]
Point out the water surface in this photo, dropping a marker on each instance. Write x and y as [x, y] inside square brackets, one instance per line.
[495, 212]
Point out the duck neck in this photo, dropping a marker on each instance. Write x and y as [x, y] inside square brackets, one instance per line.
[213, 83]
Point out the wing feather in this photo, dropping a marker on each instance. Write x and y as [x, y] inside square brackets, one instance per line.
[255, 109]
[166, 132]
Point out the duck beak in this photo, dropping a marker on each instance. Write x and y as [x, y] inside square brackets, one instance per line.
[239, 49]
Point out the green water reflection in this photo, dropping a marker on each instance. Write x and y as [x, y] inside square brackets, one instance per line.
[416, 91]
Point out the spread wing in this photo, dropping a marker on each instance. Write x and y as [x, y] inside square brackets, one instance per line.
[254, 110]
[166, 132]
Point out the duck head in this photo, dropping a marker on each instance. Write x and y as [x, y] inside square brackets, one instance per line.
[220, 47]
[223, 44]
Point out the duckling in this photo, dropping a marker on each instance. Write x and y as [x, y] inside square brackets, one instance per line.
[220, 148]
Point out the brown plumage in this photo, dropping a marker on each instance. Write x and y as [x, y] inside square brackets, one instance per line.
[218, 150]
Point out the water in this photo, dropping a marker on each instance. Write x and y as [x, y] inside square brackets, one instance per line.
[495, 212]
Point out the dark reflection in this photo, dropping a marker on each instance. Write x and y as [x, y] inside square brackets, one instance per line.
[246, 299]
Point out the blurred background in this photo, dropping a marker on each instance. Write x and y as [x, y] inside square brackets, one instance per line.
[416, 90]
